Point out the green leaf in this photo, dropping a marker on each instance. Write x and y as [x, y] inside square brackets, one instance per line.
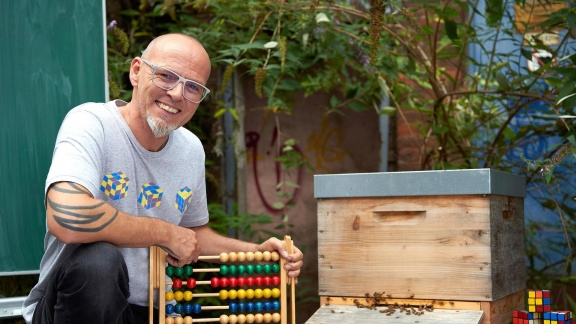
[451, 29]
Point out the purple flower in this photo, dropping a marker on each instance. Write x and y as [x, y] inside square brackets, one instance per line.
[112, 24]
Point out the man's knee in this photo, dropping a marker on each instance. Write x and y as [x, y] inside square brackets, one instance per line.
[99, 262]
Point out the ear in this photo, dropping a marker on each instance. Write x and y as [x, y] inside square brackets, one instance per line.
[134, 71]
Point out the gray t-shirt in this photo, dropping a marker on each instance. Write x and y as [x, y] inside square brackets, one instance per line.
[96, 149]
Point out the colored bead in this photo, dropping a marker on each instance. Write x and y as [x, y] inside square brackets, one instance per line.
[197, 308]
[188, 309]
[188, 320]
[232, 294]
[242, 307]
[223, 294]
[178, 320]
[267, 268]
[232, 256]
[267, 292]
[258, 293]
[250, 307]
[191, 283]
[249, 318]
[267, 306]
[214, 282]
[241, 318]
[223, 282]
[178, 295]
[223, 319]
[232, 282]
[258, 281]
[188, 295]
[258, 268]
[241, 269]
[188, 270]
[249, 268]
[258, 318]
[275, 292]
[275, 305]
[275, 256]
[177, 283]
[169, 320]
[267, 318]
[169, 296]
[259, 306]
[258, 256]
[266, 255]
[223, 257]
[233, 307]
[267, 281]
[178, 308]
[169, 309]
[233, 319]
[241, 281]
[249, 256]
[169, 271]
[224, 269]
[241, 293]
[241, 256]
[275, 281]
[275, 268]
[233, 270]
[250, 281]
[276, 318]
[179, 271]
[249, 293]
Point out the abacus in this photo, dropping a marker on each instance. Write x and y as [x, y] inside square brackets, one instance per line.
[270, 305]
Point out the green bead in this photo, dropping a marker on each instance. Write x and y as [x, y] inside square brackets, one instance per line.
[258, 268]
[250, 269]
[241, 269]
[169, 271]
[233, 270]
[179, 271]
[267, 268]
[275, 268]
[188, 270]
[224, 269]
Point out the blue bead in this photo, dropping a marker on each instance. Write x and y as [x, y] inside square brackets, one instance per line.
[267, 306]
[242, 307]
[188, 309]
[259, 306]
[233, 307]
[276, 305]
[197, 308]
[169, 309]
[250, 307]
[178, 309]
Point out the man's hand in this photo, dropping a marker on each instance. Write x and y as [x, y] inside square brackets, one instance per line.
[294, 261]
[184, 249]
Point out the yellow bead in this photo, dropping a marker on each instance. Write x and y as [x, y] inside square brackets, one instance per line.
[241, 256]
[188, 295]
[250, 318]
[178, 295]
[275, 292]
[169, 320]
[266, 255]
[233, 319]
[232, 257]
[275, 256]
[223, 294]
[241, 318]
[169, 296]
[249, 293]
[258, 256]
[188, 320]
[232, 294]
[267, 318]
[258, 293]
[267, 293]
[241, 293]
[276, 317]
[179, 320]
[223, 319]
[223, 257]
[249, 256]
[258, 318]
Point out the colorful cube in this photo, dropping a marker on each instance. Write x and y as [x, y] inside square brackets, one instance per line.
[150, 195]
[526, 317]
[183, 198]
[538, 301]
[558, 317]
[115, 185]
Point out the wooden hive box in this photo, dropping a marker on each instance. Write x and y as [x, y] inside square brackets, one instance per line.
[430, 235]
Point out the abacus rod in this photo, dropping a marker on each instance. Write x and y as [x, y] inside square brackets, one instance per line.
[151, 287]
[184, 283]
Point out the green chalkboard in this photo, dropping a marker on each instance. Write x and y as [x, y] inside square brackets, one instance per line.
[52, 57]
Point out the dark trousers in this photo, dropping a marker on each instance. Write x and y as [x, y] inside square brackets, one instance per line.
[90, 286]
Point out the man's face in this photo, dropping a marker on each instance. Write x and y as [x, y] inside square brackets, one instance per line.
[166, 110]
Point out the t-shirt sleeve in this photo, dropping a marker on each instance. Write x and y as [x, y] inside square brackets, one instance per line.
[197, 212]
[77, 155]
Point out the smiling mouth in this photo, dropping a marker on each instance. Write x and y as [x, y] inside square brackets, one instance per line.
[168, 108]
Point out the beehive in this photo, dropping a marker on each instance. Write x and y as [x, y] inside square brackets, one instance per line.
[430, 235]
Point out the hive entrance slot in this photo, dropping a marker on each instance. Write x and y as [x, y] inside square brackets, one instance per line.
[399, 217]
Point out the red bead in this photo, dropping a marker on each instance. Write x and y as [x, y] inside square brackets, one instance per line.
[214, 282]
[177, 283]
[275, 280]
[232, 282]
[267, 281]
[241, 282]
[250, 281]
[191, 283]
[258, 281]
[223, 282]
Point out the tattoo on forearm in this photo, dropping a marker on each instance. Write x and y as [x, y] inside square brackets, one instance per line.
[79, 218]
[168, 250]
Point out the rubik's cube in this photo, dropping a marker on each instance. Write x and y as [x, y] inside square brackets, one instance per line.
[526, 317]
[538, 300]
[560, 317]
[150, 195]
[182, 199]
[115, 185]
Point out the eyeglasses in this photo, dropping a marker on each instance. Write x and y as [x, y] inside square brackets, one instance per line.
[168, 80]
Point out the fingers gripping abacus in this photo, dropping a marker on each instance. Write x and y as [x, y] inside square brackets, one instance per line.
[257, 280]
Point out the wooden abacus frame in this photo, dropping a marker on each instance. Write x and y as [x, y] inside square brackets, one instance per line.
[158, 282]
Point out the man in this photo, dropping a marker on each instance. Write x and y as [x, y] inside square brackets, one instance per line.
[126, 176]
